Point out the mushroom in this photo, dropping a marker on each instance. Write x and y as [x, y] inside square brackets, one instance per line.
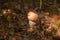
[7, 11]
[32, 17]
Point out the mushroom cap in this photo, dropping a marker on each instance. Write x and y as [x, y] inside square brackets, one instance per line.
[7, 11]
[32, 16]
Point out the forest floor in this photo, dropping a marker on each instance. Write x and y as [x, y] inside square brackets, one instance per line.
[14, 27]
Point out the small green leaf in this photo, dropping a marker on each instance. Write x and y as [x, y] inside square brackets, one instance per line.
[8, 18]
